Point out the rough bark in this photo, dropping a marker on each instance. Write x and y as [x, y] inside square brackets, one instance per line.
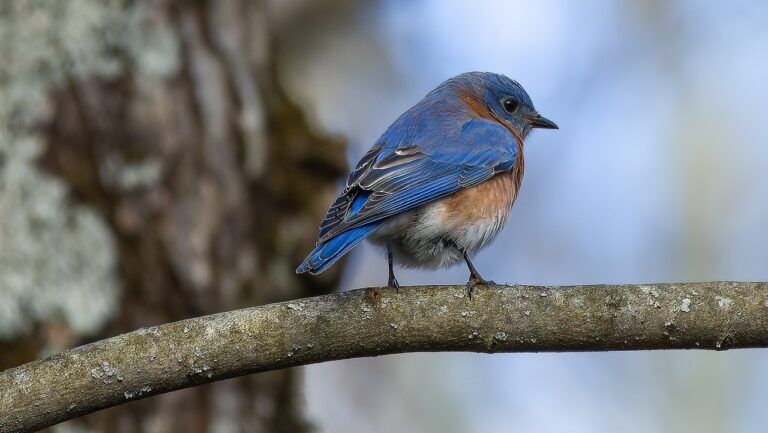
[370, 322]
[165, 124]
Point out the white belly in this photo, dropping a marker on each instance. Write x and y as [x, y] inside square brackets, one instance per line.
[435, 234]
[421, 238]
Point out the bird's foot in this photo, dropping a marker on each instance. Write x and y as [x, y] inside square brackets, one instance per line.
[476, 280]
[392, 283]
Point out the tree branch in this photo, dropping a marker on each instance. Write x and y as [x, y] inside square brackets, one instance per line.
[370, 322]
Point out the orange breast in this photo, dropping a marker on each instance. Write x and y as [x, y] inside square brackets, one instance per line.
[488, 201]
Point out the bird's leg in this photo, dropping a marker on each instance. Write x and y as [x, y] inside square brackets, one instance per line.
[392, 280]
[474, 277]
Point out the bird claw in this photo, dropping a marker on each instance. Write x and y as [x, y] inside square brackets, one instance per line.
[392, 283]
[476, 280]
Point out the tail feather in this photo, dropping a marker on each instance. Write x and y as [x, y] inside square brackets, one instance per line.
[328, 252]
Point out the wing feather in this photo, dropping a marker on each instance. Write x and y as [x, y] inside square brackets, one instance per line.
[417, 173]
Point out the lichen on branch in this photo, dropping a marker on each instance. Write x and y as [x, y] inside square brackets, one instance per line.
[370, 322]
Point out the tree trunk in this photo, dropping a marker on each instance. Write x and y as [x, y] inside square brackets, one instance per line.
[186, 182]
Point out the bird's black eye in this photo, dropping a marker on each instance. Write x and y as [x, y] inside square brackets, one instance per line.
[510, 105]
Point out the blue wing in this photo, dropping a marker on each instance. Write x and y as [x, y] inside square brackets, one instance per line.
[413, 175]
[396, 177]
[327, 253]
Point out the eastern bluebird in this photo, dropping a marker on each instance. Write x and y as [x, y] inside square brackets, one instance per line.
[438, 185]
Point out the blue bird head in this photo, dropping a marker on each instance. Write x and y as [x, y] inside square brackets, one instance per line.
[500, 98]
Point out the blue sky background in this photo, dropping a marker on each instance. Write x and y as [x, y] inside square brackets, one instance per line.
[658, 173]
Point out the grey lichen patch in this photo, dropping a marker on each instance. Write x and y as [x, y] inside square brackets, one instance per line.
[295, 348]
[723, 302]
[500, 336]
[210, 332]
[576, 302]
[58, 260]
[685, 306]
[653, 296]
[468, 313]
[203, 370]
[153, 353]
[632, 310]
[19, 377]
[441, 310]
[106, 373]
[152, 330]
[129, 395]
[119, 173]
[725, 342]
[296, 307]
[394, 325]
[670, 327]
[561, 300]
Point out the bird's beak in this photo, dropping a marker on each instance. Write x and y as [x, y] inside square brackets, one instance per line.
[539, 121]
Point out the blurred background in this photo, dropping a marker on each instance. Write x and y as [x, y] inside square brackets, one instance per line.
[166, 159]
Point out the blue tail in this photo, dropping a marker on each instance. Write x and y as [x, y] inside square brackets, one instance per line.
[327, 253]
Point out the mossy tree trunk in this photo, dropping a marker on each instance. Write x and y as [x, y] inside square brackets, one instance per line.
[166, 121]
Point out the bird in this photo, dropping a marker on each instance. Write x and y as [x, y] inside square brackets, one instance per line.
[439, 184]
